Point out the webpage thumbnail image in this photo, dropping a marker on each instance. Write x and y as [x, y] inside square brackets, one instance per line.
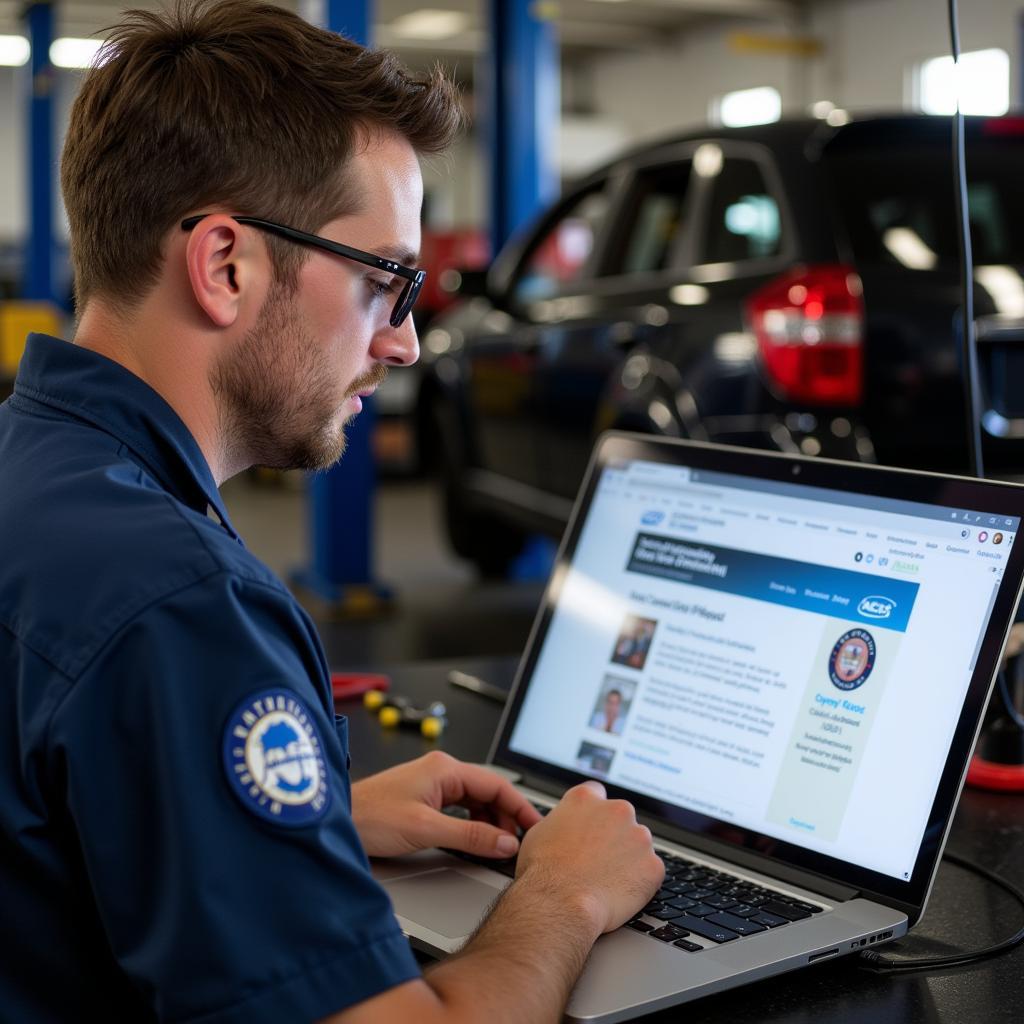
[634, 642]
[611, 708]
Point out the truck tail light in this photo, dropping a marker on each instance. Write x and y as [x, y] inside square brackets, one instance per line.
[809, 326]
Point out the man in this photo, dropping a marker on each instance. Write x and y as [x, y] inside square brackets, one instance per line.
[607, 719]
[178, 837]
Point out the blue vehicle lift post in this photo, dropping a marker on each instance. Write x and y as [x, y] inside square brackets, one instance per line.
[340, 500]
[521, 80]
[38, 277]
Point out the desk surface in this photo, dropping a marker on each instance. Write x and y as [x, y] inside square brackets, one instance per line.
[964, 911]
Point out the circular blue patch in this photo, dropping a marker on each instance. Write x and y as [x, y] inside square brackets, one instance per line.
[852, 659]
[274, 759]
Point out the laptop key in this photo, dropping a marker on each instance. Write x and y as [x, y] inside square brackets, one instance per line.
[690, 947]
[740, 925]
[700, 910]
[720, 902]
[640, 926]
[770, 920]
[681, 903]
[653, 907]
[669, 933]
[784, 910]
[743, 910]
[804, 906]
[709, 930]
[698, 894]
[663, 894]
[665, 914]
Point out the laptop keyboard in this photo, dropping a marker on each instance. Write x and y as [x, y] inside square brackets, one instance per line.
[697, 902]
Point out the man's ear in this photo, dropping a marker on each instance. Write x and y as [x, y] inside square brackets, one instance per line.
[225, 264]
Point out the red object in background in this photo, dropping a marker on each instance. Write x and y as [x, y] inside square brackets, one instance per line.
[462, 249]
[1008, 778]
[345, 685]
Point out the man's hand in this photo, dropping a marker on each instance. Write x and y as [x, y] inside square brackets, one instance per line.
[593, 848]
[399, 810]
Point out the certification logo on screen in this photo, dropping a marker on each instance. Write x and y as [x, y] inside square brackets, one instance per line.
[852, 659]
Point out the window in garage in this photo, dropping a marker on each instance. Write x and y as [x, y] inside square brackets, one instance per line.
[743, 217]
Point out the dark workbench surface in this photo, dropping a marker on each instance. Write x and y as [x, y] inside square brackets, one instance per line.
[965, 912]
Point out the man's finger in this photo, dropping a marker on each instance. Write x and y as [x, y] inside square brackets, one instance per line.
[473, 782]
[478, 837]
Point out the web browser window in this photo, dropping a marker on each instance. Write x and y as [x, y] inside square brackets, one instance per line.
[787, 658]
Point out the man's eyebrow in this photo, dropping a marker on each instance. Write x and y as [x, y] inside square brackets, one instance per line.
[397, 254]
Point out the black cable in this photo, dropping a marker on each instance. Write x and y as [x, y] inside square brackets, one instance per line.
[1011, 710]
[963, 227]
[875, 961]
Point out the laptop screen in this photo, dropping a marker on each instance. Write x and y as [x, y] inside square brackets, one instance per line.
[787, 659]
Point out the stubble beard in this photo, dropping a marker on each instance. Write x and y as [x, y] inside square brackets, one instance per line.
[277, 394]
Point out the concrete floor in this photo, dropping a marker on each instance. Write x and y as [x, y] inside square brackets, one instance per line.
[441, 611]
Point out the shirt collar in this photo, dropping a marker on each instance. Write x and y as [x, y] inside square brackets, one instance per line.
[96, 389]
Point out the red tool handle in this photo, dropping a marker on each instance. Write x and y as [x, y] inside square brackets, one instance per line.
[345, 685]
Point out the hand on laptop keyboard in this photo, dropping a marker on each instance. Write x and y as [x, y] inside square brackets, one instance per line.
[592, 850]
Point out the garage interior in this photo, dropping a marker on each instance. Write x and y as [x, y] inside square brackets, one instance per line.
[561, 97]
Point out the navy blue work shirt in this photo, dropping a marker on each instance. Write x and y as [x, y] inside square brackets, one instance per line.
[175, 832]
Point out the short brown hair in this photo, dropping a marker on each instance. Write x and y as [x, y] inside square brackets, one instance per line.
[229, 102]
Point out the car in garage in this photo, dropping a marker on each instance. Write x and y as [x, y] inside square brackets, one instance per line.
[793, 286]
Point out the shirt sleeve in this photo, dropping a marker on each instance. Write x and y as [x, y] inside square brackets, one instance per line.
[217, 907]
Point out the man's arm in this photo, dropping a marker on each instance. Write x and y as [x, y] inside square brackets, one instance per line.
[583, 870]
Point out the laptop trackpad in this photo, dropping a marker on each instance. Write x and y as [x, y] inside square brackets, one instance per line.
[448, 902]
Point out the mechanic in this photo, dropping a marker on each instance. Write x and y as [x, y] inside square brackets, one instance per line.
[178, 836]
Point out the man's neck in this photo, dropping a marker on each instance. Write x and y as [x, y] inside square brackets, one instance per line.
[172, 364]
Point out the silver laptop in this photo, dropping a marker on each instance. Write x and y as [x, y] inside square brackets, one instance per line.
[783, 663]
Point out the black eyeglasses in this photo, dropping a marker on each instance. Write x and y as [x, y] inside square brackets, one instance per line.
[413, 278]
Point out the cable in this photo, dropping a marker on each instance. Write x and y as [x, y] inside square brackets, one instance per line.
[963, 229]
[875, 961]
[1011, 709]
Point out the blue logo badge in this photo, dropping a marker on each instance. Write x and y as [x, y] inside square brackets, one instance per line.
[852, 659]
[274, 759]
[653, 517]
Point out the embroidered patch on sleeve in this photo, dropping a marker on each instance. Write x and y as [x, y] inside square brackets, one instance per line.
[274, 759]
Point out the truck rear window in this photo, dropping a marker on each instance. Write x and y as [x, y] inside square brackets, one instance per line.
[897, 204]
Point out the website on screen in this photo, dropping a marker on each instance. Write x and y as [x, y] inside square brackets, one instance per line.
[767, 655]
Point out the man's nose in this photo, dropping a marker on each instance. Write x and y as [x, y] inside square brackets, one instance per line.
[396, 346]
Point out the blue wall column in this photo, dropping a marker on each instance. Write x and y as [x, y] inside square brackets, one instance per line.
[38, 278]
[521, 83]
[340, 501]
[522, 111]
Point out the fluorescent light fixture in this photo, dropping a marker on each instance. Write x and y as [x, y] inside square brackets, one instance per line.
[430, 23]
[14, 51]
[74, 53]
[981, 80]
[750, 106]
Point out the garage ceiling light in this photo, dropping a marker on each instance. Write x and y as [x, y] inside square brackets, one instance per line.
[14, 51]
[74, 53]
[430, 23]
[749, 106]
[982, 81]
